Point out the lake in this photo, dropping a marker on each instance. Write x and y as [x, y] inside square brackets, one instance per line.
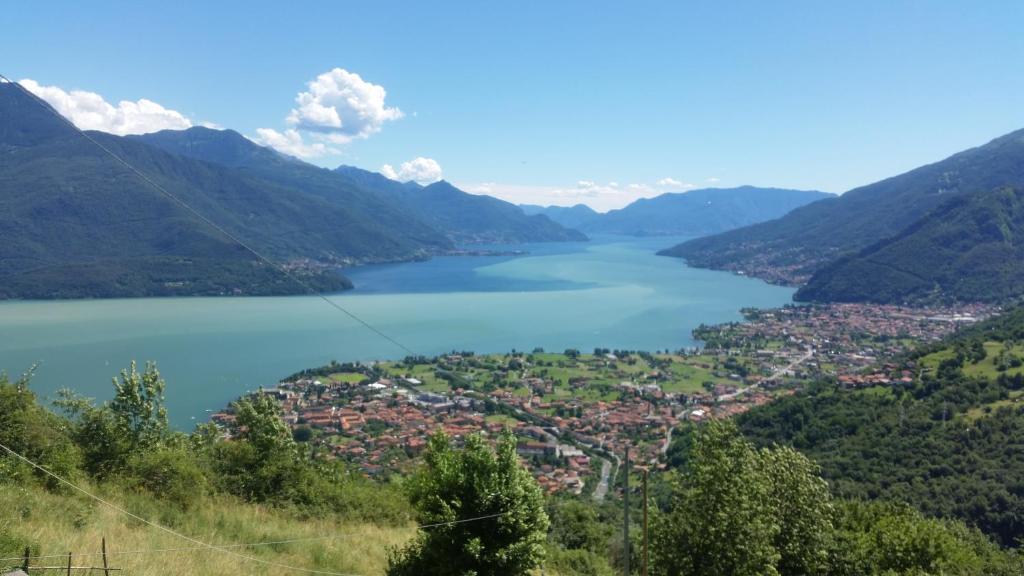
[610, 292]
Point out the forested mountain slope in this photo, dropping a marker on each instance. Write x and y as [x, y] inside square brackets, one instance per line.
[791, 248]
[951, 443]
[971, 249]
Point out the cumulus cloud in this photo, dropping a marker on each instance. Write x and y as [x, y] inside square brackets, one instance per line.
[419, 169]
[337, 107]
[89, 111]
[291, 142]
[342, 106]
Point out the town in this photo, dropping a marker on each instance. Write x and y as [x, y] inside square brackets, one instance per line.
[574, 414]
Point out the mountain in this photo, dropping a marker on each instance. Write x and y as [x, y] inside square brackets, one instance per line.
[368, 214]
[969, 249]
[465, 218]
[436, 220]
[791, 248]
[79, 224]
[701, 212]
[575, 217]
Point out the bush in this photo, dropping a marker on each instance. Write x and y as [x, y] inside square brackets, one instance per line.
[34, 432]
[172, 474]
[577, 563]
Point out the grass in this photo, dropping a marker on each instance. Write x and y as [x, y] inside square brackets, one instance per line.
[56, 524]
[986, 368]
[983, 410]
[348, 377]
[501, 419]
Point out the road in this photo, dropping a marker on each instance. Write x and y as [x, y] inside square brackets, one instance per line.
[775, 374]
[668, 440]
[602, 486]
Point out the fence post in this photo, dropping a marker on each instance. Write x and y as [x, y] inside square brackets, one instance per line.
[24, 565]
[69, 563]
[103, 545]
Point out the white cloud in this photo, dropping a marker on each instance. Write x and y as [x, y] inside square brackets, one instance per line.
[713, 180]
[89, 111]
[291, 142]
[669, 183]
[420, 169]
[342, 106]
[599, 196]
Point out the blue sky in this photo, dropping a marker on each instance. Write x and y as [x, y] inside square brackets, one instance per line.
[563, 102]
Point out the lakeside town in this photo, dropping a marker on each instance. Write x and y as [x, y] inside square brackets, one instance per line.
[574, 413]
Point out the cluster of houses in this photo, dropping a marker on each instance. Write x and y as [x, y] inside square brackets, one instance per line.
[846, 340]
[381, 426]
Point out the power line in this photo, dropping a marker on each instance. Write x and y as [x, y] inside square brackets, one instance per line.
[218, 547]
[310, 289]
[166, 529]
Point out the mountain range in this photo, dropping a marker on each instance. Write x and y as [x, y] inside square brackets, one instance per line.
[694, 213]
[465, 218]
[970, 249]
[80, 224]
[791, 249]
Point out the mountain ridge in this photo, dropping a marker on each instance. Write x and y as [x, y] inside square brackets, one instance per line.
[969, 249]
[790, 249]
[466, 218]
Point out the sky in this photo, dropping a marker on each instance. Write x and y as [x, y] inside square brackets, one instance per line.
[546, 102]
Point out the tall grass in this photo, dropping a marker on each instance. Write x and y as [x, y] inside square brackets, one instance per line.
[59, 523]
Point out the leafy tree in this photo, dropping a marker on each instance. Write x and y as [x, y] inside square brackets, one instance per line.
[134, 421]
[578, 563]
[34, 432]
[462, 485]
[259, 422]
[720, 521]
[801, 504]
[885, 538]
[576, 525]
[138, 406]
[262, 463]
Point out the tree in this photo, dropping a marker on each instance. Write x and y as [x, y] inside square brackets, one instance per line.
[720, 522]
[134, 421]
[138, 406]
[259, 422]
[32, 431]
[802, 507]
[576, 525]
[486, 511]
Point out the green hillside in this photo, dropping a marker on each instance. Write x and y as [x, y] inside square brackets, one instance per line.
[949, 443]
[370, 215]
[434, 220]
[970, 249]
[79, 224]
[795, 246]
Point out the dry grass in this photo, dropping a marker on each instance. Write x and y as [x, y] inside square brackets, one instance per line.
[57, 524]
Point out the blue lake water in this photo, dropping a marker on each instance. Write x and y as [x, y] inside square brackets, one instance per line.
[611, 292]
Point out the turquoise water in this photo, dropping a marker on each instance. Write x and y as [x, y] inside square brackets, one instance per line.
[612, 293]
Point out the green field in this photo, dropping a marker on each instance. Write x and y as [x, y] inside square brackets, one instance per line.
[347, 377]
[601, 376]
[986, 368]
